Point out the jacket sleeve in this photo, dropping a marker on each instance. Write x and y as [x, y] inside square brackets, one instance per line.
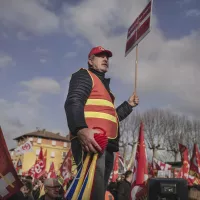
[80, 88]
[123, 110]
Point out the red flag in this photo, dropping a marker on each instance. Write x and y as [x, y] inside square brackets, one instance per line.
[115, 168]
[66, 167]
[31, 171]
[178, 173]
[195, 163]
[159, 165]
[122, 162]
[52, 173]
[40, 165]
[185, 160]
[9, 181]
[150, 169]
[140, 166]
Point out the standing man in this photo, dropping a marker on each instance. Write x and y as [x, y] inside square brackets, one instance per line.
[90, 104]
[124, 189]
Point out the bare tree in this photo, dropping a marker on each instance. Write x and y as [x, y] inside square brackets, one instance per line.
[196, 131]
[175, 135]
[155, 130]
[164, 129]
[128, 136]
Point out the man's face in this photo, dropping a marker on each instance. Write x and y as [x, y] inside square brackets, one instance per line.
[100, 62]
[52, 191]
[25, 190]
[40, 183]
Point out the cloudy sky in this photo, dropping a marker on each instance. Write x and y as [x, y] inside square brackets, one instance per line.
[42, 42]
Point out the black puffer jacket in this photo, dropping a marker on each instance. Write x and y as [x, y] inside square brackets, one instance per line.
[80, 88]
[124, 190]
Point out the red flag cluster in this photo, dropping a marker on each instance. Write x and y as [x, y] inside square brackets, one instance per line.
[190, 169]
[39, 167]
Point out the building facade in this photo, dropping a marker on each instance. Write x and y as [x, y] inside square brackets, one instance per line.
[55, 146]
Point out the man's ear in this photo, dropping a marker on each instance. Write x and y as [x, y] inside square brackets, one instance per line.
[90, 61]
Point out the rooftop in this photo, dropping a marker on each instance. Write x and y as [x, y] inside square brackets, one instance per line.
[44, 134]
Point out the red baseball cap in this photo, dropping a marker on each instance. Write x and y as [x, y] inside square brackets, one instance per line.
[99, 49]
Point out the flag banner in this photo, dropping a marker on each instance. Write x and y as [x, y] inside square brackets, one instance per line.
[52, 173]
[185, 160]
[88, 189]
[115, 168]
[140, 171]
[195, 163]
[122, 162]
[65, 171]
[31, 171]
[9, 181]
[24, 148]
[72, 188]
[159, 165]
[40, 165]
[73, 191]
[139, 29]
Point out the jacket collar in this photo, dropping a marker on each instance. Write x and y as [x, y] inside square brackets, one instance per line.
[101, 75]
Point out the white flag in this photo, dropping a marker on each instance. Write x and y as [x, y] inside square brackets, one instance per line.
[26, 147]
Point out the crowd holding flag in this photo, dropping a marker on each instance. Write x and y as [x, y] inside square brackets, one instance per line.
[81, 186]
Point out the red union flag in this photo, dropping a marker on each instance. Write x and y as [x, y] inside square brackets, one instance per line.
[40, 165]
[9, 181]
[139, 29]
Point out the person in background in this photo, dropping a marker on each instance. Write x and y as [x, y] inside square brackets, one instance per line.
[112, 188]
[51, 189]
[36, 189]
[124, 187]
[17, 196]
[27, 190]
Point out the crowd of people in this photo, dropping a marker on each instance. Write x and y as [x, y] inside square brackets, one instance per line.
[51, 189]
[42, 189]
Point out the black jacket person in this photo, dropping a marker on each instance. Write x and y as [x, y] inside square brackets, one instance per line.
[83, 85]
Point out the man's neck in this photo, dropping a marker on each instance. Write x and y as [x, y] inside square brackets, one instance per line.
[128, 180]
[102, 74]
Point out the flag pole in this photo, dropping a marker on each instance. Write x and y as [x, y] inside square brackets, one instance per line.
[136, 69]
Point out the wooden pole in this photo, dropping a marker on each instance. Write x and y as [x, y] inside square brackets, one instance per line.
[136, 69]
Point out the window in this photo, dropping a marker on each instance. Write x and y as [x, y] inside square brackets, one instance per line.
[39, 141]
[65, 144]
[64, 154]
[37, 152]
[53, 142]
[52, 154]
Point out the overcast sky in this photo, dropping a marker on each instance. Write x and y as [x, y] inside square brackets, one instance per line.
[42, 42]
